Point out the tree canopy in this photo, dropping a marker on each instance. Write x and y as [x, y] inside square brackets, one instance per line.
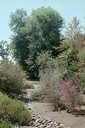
[39, 32]
[17, 20]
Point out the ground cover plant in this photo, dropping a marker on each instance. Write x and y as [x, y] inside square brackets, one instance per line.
[4, 123]
[14, 111]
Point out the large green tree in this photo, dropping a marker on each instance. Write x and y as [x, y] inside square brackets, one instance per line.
[19, 43]
[40, 32]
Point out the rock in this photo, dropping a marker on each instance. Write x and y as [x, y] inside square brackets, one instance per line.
[79, 110]
[40, 122]
[61, 126]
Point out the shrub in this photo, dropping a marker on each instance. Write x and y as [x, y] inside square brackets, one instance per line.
[4, 123]
[50, 89]
[37, 96]
[82, 55]
[14, 110]
[69, 93]
[44, 61]
[28, 85]
[80, 76]
[11, 79]
[62, 93]
[49, 76]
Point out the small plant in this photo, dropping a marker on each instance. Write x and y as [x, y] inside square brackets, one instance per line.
[4, 123]
[37, 96]
[28, 85]
[80, 101]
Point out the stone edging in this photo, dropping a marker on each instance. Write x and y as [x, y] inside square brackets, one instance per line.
[39, 122]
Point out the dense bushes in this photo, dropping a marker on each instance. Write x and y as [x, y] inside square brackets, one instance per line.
[11, 83]
[14, 111]
[61, 92]
[64, 76]
[11, 79]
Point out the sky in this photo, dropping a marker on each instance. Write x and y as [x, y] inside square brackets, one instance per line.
[67, 9]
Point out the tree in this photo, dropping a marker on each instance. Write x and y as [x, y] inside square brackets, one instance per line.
[73, 29]
[72, 59]
[19, 43]
[70, 47]
[17, 20]
[41, 32]
[4, 50]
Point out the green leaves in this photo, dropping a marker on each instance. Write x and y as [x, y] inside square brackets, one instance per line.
[38, 33]
[5, 50]
[17, 20]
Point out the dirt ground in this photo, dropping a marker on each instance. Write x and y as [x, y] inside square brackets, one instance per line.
[46, 110]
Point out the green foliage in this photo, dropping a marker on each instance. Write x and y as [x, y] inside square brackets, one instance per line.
[4, 123]
[80, 77]
[17, 20]
[45, 60]
[5, 50]
[37, 96]
[14, 110]
[68, 60]
[28, 85]
[82, 55]
[11, 78]
[69, 64]
[41, 32]
[71, 60]
[80, 101]
[73, 29]
[50, 80]
[50, 77]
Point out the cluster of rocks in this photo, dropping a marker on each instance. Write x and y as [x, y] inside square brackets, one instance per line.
[40, 122]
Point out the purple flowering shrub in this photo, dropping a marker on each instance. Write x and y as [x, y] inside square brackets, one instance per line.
[69, 93]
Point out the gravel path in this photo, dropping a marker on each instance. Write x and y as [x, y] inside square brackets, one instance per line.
[70, 120]
[45, 110]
